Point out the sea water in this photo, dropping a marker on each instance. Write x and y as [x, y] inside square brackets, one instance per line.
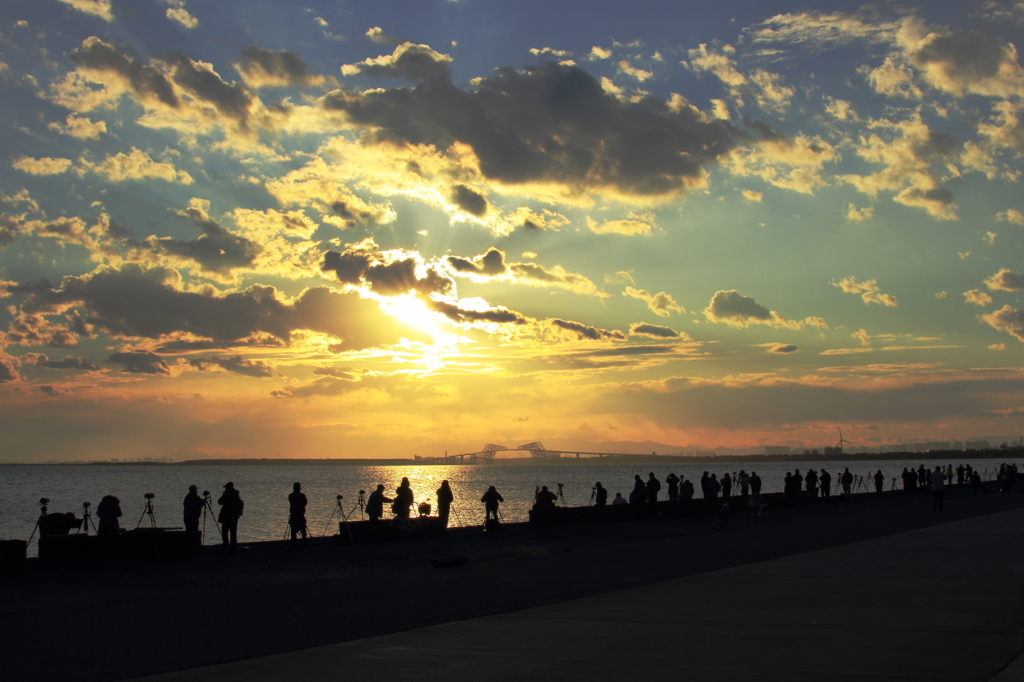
[265, 488]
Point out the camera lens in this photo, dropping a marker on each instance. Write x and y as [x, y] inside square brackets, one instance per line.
[339, 497]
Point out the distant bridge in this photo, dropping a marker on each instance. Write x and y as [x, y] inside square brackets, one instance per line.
[486, 455]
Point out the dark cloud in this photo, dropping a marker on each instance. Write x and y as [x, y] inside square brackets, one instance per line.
[261, 67]
[550, 123]
[653, 330]
[324, 386]
[963, 56]
[1005, 280]
[140, 362]
[230, 100]
[1007, 319]
[359, 266]
[338, 373]
[783, 348]
[498, 315]
[586, 332]
[236, 365]
[53, 391]
[9, 229]
[491, 263]
[417, 62]
[10, 288]
[183, 346]
[68, 362]
[729, 305]
[469, 201]
[942, 197]
[133, 302]
[7, 371]
[938, 147]
[217, 250]
[147, 82]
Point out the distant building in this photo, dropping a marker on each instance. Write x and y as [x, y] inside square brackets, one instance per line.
[776, 450]
[977, 445]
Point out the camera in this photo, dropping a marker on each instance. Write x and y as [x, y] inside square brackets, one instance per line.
[44, 501]
[559, 485]
[339, 498]
[206, 493]
[362, 492]
[86, 504]
[150, 496]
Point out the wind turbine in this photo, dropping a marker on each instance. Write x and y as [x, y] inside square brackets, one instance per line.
[842, 440]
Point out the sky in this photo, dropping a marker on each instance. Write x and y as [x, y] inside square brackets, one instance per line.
[386, 229]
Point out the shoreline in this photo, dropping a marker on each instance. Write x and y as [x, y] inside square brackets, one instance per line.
[272, 597]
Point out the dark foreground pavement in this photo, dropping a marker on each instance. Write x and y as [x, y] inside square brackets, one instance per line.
[878, 586]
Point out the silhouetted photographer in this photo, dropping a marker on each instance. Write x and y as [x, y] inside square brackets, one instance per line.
[231, 508]
[192, 509]
[297, 512]
[375, 504]
[109, 511]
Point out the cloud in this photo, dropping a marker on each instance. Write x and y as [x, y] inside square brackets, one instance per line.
[763, 87]
[856, 215]
[469, 201]
[655, 331]
[181, 16]
[67, 362]
[598, 53]
[417, 62]
[136, 165]
[1011, 216]
[235, 365]
[869, 291]
[634, 224]
[752, 197]
[491, 266]
[216, 251]
[795, 163]
[79, 127]
[135, 302]
[997, 346]
[1005, 280]
[117, 72]
[846, 351]
[586, 332]
[377, 35]
[661, 304]
[97, 8]
[730, 308]
[990, 238]
[627, 69]
[977, 297]
[640, 150]
[140, 362]
[862, 336]
[1006, 319]
[549, 52]
[43, 166]
[479, 313]
[263, 68]
[941, 295]
[780, 348]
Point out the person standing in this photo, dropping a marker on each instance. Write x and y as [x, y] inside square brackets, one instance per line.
[755, 483]
[744, 484]
[492, 499]
[686, 495]
[109, 511]
[297, 512]
[673, 487]
[879, 481]
[600, 495]
[811, 481]
[652, 488]
[960, 474]
[639, 494]
[403, 500]
[938, 484]
[445, 497]
[231, 507]
[192, 509]
[847, 480]
[825, 481]
[375, 504]
[726, 486]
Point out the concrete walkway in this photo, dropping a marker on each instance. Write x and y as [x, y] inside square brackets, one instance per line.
[941, 603]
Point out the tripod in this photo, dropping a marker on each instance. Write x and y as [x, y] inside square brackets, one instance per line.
[39, 522]
[208, 505]
[340, 511]
[86, 519]
[360, 505]
[561, 496]
[148, 511]
[893, 486]
[593, 493]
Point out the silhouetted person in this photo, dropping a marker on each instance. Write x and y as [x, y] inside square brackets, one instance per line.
[652, 487]
[714, 487]
[923, 478]
[912, 479]
[811, 481]
[744, 481]
[192, 509]
[960, 471]
[726, 486]
[672, 481]
[545, 499]
[847, 480]
[825, 481]
[600, 495]
[231, 507]
[905, 476]
[686, 495]
[492, 499]
[879, 481]
[639, 494]
[976, 483]
[375, 504]
[798, 485]
[619, 499]
[938, 485]
[755, 483]
[445, 497]
[403, 500]
[109, 511]
[704, 484]
[297, 512]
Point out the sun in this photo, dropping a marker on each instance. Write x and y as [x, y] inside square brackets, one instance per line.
[411, 310]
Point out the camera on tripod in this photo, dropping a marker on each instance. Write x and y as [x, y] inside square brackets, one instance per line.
[43, 501]
[206, 493]
[86, 505]
[339, 498]
[150, 496]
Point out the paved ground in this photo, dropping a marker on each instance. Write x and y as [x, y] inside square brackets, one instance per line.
[879, 585]
[941, 603]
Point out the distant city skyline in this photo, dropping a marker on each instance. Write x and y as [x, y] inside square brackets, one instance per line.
[395, 228]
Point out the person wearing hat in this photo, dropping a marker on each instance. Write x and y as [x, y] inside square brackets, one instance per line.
[231, 507]
[297, 512]
[193, 509]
